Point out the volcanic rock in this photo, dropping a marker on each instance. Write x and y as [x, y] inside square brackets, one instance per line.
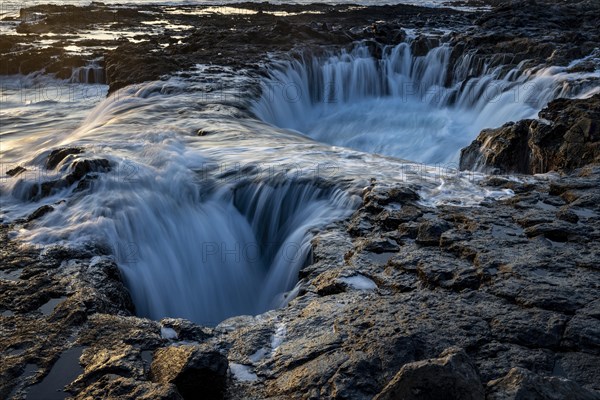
[56, 156]
[193, 370]
[453, 376]
[566, 137]
[522, 384]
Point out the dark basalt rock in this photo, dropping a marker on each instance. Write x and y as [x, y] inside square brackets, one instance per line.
[567, 215]
[15, 171]
[119, 387]
[544, 33]
[422, 44]
[431, 231]
[237, 40]
[45, 189]
[193, 370]
[131, 63]
[513, 283]
[81, 168]
[382, 245]
[566, 137]
[453, 376]
[186, 330]
[82, 171]
[522, 384]
[495, 148]
[494, 285]
[40, 212]
[56, 156]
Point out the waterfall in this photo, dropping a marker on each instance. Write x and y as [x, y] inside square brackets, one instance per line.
[190, 239]
[193, 241]
[236, 253]
[200, 249]
[91, 74]
[421, 108]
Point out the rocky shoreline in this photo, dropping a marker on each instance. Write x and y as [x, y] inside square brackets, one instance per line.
[402, 300]
[501, 300]
[566, 136]
[548, 32]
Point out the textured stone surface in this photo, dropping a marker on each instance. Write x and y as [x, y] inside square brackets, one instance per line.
[452, 376]
[509, 295]
[547, 32]
[567, 137]
[521, 384]
[514, 283]
[193, 370]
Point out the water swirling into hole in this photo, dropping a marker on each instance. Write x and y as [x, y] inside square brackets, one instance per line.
[205, 248]
[237, 253]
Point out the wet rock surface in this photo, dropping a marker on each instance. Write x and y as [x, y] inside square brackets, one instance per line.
[567, 136]
[192, 370]
[80, 171]
[156, 41]
[522, 384]
[452, 376]
[499, 300]
[495, 304]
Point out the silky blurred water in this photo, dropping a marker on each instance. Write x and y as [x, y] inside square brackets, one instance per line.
[202, 226]
[218, 183]
[402, 106]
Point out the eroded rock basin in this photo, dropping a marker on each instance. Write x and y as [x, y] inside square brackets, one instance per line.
[496, 299]
[386, 290]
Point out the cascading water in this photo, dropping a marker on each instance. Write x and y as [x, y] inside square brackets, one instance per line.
[91, 74]
[402, 105]
[236, 253]
[190, 250]
[192, 240]
[193, 243]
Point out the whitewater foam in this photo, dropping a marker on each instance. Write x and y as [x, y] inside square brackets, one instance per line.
[207, 227]
[420, 108]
